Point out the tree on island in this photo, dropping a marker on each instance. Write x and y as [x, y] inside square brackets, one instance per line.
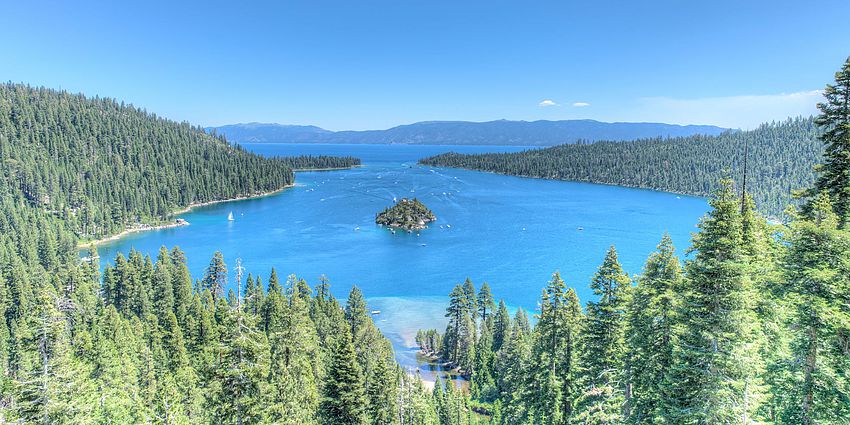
[406, 214]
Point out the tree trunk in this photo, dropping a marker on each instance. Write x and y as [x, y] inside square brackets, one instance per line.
[809, 385]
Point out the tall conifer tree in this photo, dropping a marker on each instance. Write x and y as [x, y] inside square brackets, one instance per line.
[834, 121]
[344, 397]
[818, 276]
[712, 373]
[603, 396]
[650, 338]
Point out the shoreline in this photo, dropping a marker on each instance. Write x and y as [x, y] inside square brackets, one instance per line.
[130, 231]
[178, 222]
[194, 205]
[769, 217]
[190, 207]
[525, 176]
[296, 170]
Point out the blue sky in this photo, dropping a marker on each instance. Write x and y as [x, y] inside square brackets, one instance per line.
[375, 64]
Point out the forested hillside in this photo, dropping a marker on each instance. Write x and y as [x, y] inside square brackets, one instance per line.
[100, 165]
[145, 344]
[754, 328]
[780, 159]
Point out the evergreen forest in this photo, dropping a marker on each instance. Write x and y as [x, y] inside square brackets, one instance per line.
[780, 159]
[753, 327]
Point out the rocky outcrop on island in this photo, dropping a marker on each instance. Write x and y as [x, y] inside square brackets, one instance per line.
[406, 214]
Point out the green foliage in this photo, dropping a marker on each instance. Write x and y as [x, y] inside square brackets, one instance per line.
[726, 339]
[102, 166]
[485, 302]
[817, 270]
[711, 372]
[406, 214]
[781, 159]
[834, 121]
[344, 397]
[604, 345]
[756, 329]
[650, 337]
[482, 384]
[75, 357]
[555, 351]
[501, 326]
[215, 279]
[143, 345]
[429, 341]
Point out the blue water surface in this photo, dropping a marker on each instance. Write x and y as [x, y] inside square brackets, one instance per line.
[510, 232]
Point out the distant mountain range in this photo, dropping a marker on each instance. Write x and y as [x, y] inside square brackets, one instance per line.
[501, 132]
[269, 133]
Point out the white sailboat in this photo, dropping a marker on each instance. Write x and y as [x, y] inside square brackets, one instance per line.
[230, 216]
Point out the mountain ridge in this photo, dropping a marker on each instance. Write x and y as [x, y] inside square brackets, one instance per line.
[497, 132]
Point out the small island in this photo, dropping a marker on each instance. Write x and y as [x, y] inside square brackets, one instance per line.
[407, 214]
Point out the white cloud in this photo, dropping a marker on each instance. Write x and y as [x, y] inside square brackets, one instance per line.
[745, 111]
[547, 103]
[581, 104]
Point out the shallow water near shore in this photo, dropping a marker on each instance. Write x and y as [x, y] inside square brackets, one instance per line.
[510, 232]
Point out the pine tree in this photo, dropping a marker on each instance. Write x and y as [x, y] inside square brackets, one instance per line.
[381, 391]
[482, 385]
[294, 349]
[711, 369]
[163, 291]
[554, 364]
[521, 322]
[323, 290]
[569, 370]
[215, 278]
[650, 338]
[501, 326]
[602, 360]
[457, 312]
[834, 121]
[768, 342]
[115, 348]
[486, 305]
[355, 312]
[817, 269]
[303, 290]
[416, 405]
[240, 377]
[251, 305]
[57, 388]
[344, 398]
[512, 371]
[471, 298]
[182, 285]
[274, 282]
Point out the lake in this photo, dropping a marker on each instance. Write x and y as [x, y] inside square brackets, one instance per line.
[508, 231]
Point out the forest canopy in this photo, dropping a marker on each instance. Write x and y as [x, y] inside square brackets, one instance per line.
[780, 159]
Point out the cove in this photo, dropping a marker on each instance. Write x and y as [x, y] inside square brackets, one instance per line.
[508, 231]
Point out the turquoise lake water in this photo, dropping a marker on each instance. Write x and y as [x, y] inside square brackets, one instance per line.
[510, 232]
